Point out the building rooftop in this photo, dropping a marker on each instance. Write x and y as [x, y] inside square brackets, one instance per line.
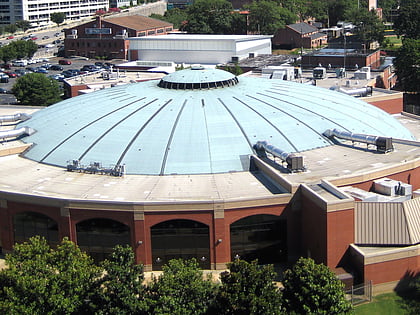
[137, 22]
[180, 126]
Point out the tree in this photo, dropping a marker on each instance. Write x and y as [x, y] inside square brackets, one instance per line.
[8, 53]
[368, 26]
[181, 289]
[407, 65]
[23, 24]
[40, 280]
[11, 28]
[24, 48]
[120, 290]
[57, 17]
[311, 288]
[175, 16]
[407, 22]
[248, 289]
[266, 17]
[209, 17]
[36, 89]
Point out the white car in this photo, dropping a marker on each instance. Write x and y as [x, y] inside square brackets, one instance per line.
[20, 63]
[49, 46]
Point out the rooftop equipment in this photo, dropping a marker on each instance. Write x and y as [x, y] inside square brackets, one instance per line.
[319, 73]
[13, 118]
[294, 162]
[383, 144]
[361, 92]
[15, 133]
[95, 168]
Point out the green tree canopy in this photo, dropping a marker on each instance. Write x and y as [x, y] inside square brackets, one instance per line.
[40, 280]
[175, 16]
[266, 17]
[11, 28]
[36, 89]
[121, 290]
[407, 65]
[407, 23]
[248, 289]
[311, 288]
[58, 17]
[181, 289]
[209, 17]
[23, 24]
[368, 25]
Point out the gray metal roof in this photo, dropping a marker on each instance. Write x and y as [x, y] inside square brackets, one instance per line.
[158, 131]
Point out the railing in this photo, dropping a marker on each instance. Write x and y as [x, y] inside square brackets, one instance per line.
[360, 293]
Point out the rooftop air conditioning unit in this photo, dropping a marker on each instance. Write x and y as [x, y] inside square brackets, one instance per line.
[390, 187]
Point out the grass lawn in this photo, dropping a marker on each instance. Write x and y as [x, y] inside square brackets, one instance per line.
[383, 304]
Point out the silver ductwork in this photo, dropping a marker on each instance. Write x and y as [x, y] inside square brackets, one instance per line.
[14, 133]
[383, 144]
[361, 92]
[294, 162]
[13, 118]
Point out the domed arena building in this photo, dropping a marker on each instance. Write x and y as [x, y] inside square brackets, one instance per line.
[208, 165]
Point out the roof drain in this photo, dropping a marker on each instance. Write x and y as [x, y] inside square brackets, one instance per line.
[383, 144]
[15, 133]
[13, 118]
[294, 162]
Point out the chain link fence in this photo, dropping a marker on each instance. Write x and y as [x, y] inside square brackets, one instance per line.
[360, 293]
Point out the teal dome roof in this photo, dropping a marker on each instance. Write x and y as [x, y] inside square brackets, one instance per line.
[197, 121]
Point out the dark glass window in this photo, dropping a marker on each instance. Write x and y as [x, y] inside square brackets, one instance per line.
[180, 239]
[261, 237]
[28, 224]
[98, 237]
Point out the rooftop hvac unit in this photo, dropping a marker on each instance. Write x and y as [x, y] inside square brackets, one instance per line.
[416, 193]
[390, 187]
[294, 162]
[319, 73]
[362, 75]
[235, 59]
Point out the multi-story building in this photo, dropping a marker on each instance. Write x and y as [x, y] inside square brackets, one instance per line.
[109, 37]
[39, 12]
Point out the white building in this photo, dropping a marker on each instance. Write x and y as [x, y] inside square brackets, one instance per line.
[202, 49]
[38, 11]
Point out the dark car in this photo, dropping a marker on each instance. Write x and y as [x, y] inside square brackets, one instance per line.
[4, 79]
[4, 91]
[41, 70]
[64, 62]
[56, 68]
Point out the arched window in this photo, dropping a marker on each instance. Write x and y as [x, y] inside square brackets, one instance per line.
[262, 237]
[98, 237]
[180, 239]
[28, 224]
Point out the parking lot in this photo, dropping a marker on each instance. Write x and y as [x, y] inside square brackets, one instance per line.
[76, 63]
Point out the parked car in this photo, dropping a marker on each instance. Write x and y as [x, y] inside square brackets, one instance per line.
[21, 72]
[45, 37]
[10, 37]
[58, 77]
[56, 68]
[57, 34]
[11, 74]
[64, 62]
[4, 78]
[4, 91]
[40, 70]
[57, 41]
[20, 63]
[34, 38]
[49, 46]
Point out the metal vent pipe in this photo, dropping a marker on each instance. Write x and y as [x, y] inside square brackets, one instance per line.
[294, 162]
[13, 118]
[14, 133]
[383, 144]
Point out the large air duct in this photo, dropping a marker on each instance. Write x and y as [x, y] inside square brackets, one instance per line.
[13, 118]
[14, 133]
[294, 162]
[361, 92]
[383, 144]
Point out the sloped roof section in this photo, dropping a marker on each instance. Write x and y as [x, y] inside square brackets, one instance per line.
[388, 223]
[303, 28]
[137, 22]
